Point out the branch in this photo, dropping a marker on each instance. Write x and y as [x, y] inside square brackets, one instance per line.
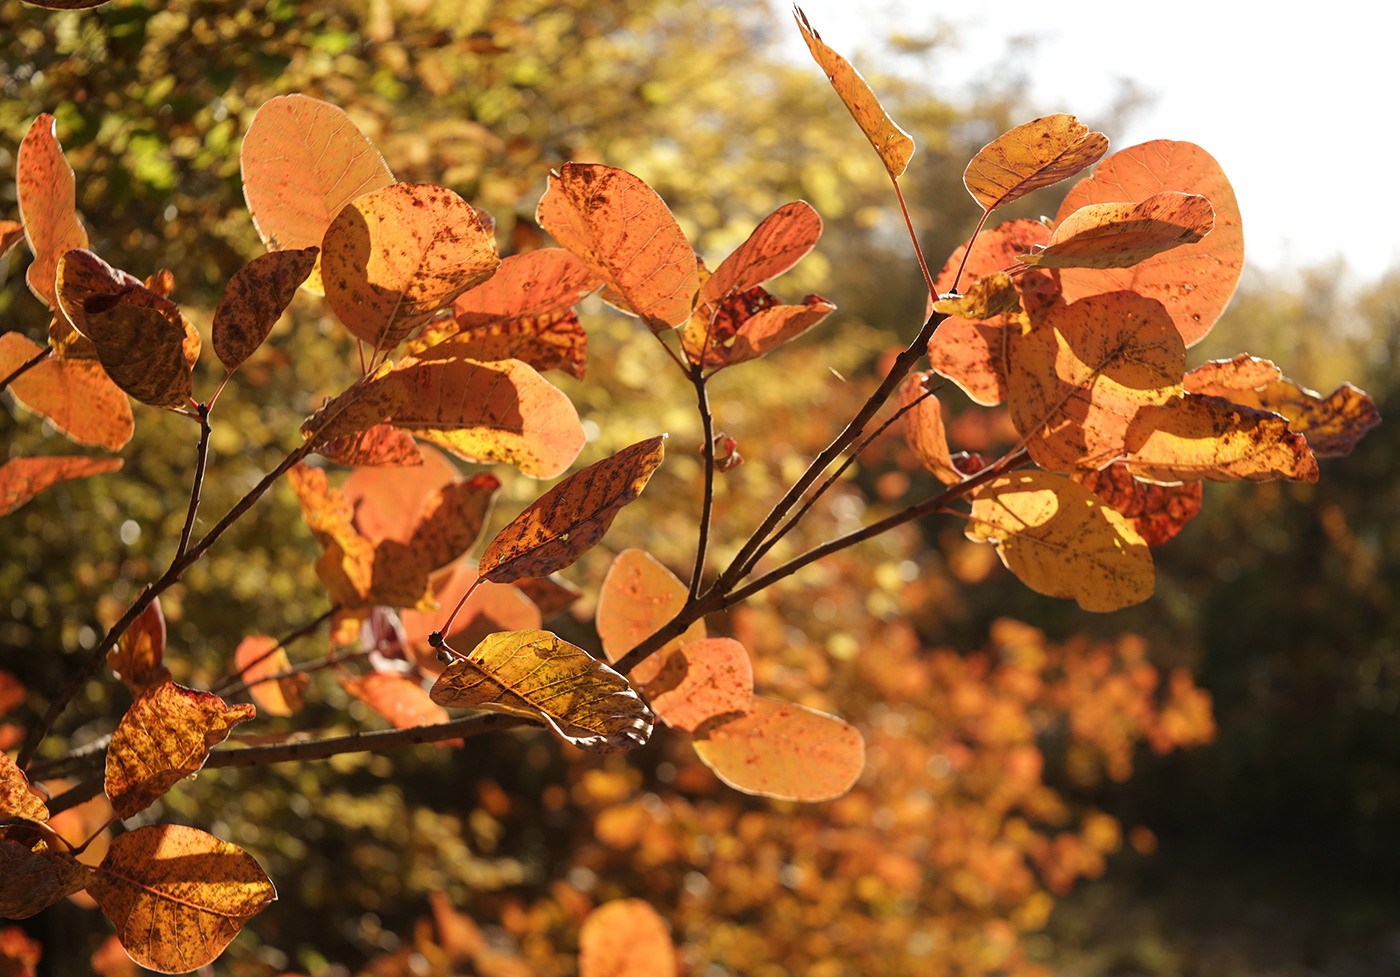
[201, 459]
[301, 632]
[312, 666]
[26, 366]
[707, 421]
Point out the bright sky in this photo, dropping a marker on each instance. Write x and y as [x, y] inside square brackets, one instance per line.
[1297, 101]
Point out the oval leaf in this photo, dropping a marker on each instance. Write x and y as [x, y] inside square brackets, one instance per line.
[164, 737]
[532, 284]
[11, 233]
[178, 895]
[625, 938]
[136, 659]
[142, 350]
[781, 240]
[34, 875]
[1156, 512]
[699, 682]
[82, 275]
[46, 194]
[1033, 155]
[561, 525]
[378, 446]
[398, 699]
[785, 751]
[259, 657]
[539, 674]
[1120, 235]
[1200, 437]
[23, 478]
[924, 430]
[639, 596]
[75, 395]
[254, 299]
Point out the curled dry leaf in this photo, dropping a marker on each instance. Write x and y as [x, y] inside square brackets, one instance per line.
[623, 231]
[893, 144]
[539, 674]
[303, 160]
[16, 799]
[1200, 437]
[36, 871]
[259, 657]
[254, 299]
[625, 938]
[1194, 281]
[784, 751]
[137, 658]
[699, 682]
[23, 478]
[141, 348]
[923, 428]
[164, 737]
[178, 895]
[639, 596]
[46, 193]
[377, 446]
[396, 255]
[77, 396]
[1062, 540]
[1156, 512]
[1036, 154]
[492, 607]
[561, 525]
[1120, 235]
[991, 295]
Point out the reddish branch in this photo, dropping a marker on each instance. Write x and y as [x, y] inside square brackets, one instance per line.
[707, 422]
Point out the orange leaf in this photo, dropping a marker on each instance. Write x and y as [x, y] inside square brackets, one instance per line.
[625, 938]
[19, 955]
[781, 240]
[377, 446]
[923, 428]
[457, 932]
[783, 750]
[549, 595]
[532, 284]
[558, 527]
[770, 328]
[625, 234]
[303, 160]
[88, 820]
[143, 346]
[82, 275]
[259, 657]
[178, 895]
[398, 699]
[699, 682]
[638, 597]
[137, 657]
[892, 143]
[162, 282]
[1120, 235]
[254, 299]
[23, 478]
[164, 737]
[492, 607]
[394, 256]
[76, 396]
[1033, 155]
[11, 233]
[451, 520]
[551, 341]
[46, 193]
[1198, 437]
[1082, 373]
[16, 799]
[1156, 512]
[388, 502]
[1195, 281]
[109, 959]
[36, 871]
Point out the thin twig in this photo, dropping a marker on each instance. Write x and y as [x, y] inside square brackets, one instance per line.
[83, 757]
[707, 422]
[235, 679]
[26, 366]
[201, 460]
[316, 664]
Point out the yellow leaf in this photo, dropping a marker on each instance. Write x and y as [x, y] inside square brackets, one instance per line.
[1200, 437]
[991, 295]
[16, 800]
[1119, 235]
[1033, 155]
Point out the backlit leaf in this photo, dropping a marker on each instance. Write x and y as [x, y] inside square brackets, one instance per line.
[1195, 281]
[491, 607]
[46, 193]
[164, 737]
[625, 938]
[1198, 437]
[781, 240]
[539, 674]
[783, 750]
[1033, 155]
[1156, 512]
[259, 657]
[23, 478]
[142, 350]
[532, 284]
[623, 231]
[11, 233]
[16, 799]
[558, 527]
[923, 428]
[137, 658]
[398, 699]
[1119, 235]
[770, 328]
[77, 396]
[638, 596]
[378, 446]
[35, 871]
[1083, 372]
[178, 895]
[393, 257]
[254, 299]
[302, 161]
[548, 594]
[892, 143]
[551, 341]
[698, 682]
[388, 502]
[451, 520]
[82, 275]
[991, 295]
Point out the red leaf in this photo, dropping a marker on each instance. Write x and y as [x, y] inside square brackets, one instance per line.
[23, 478]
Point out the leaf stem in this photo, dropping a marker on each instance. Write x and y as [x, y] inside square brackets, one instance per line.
[913, 236]
[26, 366]
[236, 678]
[315, 665]
[966, 254]
[201, 460]
[707, 422]
[446, 629]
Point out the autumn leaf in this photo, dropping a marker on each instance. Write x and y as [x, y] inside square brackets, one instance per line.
[1036, 154]
[623, 231]
[1082, 373]
[784, 751]
[923, 428]
[698, 682]
[768, 329]
[491, 607]
[259, 657]
[1156, 512]
[1062, 540]
[1194, 281]
[892, 143]
[399, 699]
[538, 674]
[558, 527]
[552, 341]
[779, 242]
[178, 895]
[23, 478]
[1200, 437]
[164, 737]
[82, 275]
[11, 233]
[396, 255]
[35, 872]
[67, 4]
[141, 346]
[639, 596]
[46, 193]
[991, 295]
[388, 502]
[377, 446]
[448, 525]
[136, 659]
[548, 594]
[77, 396]
[625, 938]
[302, 161]
[16, 799]
[254, 299]
[1120, 235]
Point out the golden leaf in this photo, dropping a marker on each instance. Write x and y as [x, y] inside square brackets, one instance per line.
[1036, 154]
[625, 938]
[1119, 235]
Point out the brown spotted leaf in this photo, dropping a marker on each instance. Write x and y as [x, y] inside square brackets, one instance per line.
[1062, 540]
[164, 737]
[1033, 155]
[1200, 437]
[698, 682]
[16, 800]
[178, 895]
[393, 257]
[550, 341]
[784, 751]
[303, 160]
[259, 657]
[36, 871]
[254, 299]
[141, 348]
[137, 658]
[82, 275]
[77, 396]
[558, 527]
[623, 231]
[626, 938]
[639, 596]
[377, 446]
[23, 478]
[536, 283]
[1119, 235]
[1157, 512]
[923, 428]
[780, 241]
[46, 193]
[538, 674]
[770, 328]
[893, 144]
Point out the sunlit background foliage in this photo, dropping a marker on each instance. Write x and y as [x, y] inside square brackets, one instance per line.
[1000, 758]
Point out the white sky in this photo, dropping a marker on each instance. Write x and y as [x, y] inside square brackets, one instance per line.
[1297, 101]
